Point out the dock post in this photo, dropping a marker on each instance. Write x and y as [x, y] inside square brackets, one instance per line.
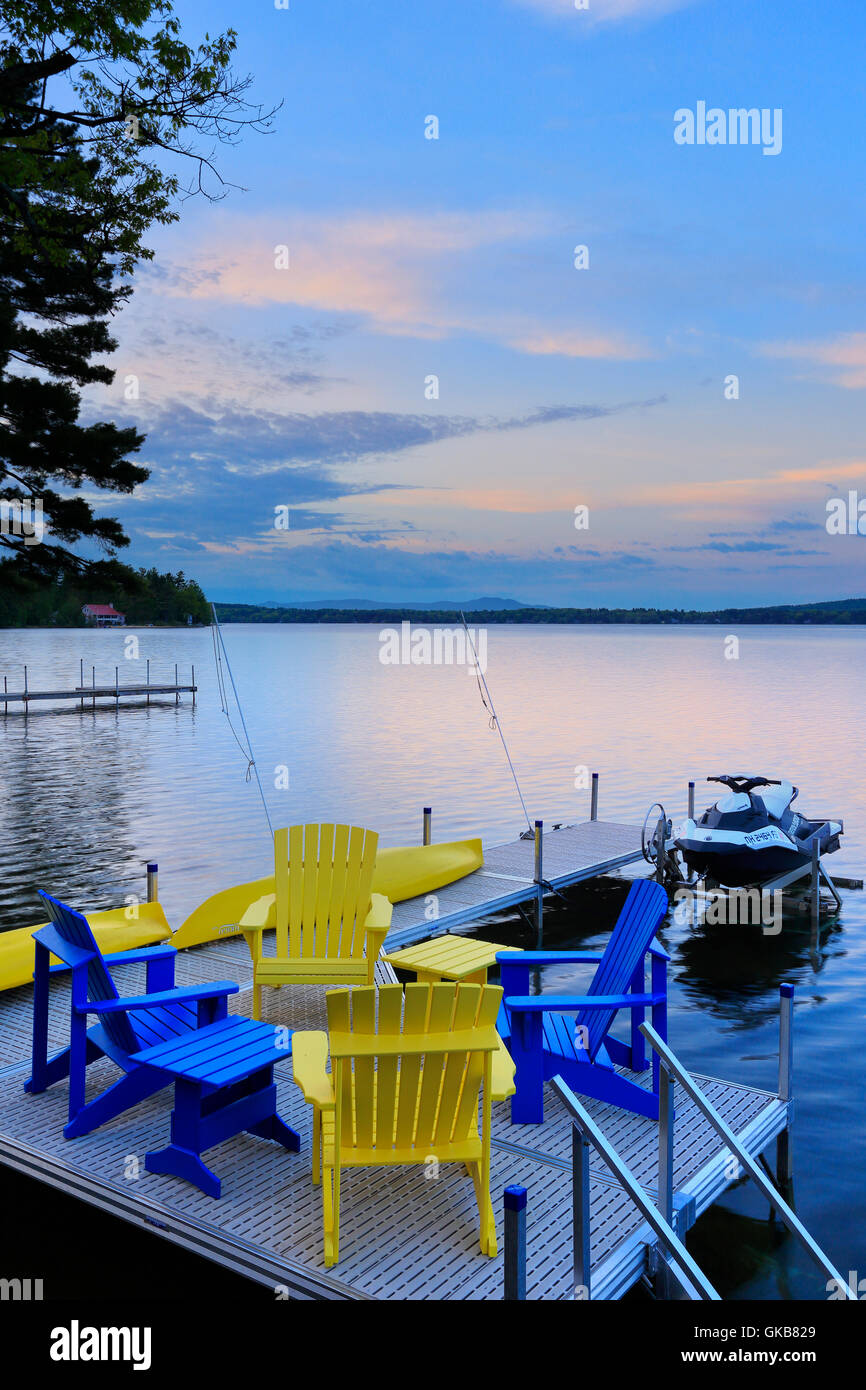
[153, 883]
[666, 1171]
[514, 1201]
[691, 800]
[580, 1213]
[147, 679]
[93, 687]
[816, 881]
[427, 826]
[81, 679]
[593, 804]
[26, 699]
[192, 671]
[116, 686]
[784, 1155]
[176, 696]
[539, 880]
[5, 691]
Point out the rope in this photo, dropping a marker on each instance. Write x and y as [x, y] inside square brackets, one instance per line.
[487, 702]
[220, 653]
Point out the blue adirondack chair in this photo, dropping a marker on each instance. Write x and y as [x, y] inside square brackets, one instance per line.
[222, 1067]
[544, 1043]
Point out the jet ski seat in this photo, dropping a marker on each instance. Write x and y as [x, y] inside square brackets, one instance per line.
[777, 799]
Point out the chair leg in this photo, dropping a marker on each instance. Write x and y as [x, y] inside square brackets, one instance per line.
[257, 1002]
[77, 1064]
[486, 1219]
[317, 1146]
[331, 1214]
[127, 1091]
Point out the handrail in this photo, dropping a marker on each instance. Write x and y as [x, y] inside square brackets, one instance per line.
[681, 1263]
[675, 1069]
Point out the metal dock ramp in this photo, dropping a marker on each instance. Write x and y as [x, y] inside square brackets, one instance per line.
[571, 853]
[407, 1236]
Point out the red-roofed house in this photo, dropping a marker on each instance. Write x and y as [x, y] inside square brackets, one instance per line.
[103, 615]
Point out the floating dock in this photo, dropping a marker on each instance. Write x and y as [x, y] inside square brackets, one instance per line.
[403, 1237]
[517, 873]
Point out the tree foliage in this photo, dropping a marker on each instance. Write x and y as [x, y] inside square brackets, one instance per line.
[145, 596]
[99, 105]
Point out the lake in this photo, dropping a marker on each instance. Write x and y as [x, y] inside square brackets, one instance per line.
[90, 797]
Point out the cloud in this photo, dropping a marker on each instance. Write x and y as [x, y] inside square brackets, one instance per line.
[606, 11]
[569, 344]
[744, 547]
[719, 492]
[428, 276]
[843, 358]
[220, 472]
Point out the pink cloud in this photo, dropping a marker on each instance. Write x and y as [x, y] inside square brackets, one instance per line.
[845, 355]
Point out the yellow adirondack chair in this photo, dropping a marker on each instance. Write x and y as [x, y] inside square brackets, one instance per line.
[329, 925]
[404, 1086]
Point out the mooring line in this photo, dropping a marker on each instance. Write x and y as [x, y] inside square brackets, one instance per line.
[484, 691]
[248, 751]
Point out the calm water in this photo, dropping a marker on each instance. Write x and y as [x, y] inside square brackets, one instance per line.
[89, 798]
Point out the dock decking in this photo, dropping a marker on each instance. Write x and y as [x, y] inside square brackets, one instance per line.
[404, 1234]
[570, 854]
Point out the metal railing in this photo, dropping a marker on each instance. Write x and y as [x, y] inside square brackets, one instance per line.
[687, 1275]
[673, 1070]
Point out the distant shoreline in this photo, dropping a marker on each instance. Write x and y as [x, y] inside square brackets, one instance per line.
[835, 613]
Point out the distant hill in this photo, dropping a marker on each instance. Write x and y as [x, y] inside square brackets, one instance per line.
[351, 605]
[837, 613]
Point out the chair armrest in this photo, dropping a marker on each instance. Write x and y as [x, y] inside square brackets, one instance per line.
[546, 957]
[259, 915]
[502, 1074]
[379, 917]
[573, 1003]
[309, 1055]
[147, 953]
[183, 995]
[659, 951]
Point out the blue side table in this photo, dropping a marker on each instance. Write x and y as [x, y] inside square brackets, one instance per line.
[223, 1084]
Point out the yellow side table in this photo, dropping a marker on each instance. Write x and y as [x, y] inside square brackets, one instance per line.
[462, 958]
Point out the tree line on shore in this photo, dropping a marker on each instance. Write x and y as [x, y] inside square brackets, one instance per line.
[144, 596]
[841, 612]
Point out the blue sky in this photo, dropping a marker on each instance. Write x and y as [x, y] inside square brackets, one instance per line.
[262, 387]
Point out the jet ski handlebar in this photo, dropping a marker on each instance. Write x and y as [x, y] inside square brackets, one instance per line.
[745, 784]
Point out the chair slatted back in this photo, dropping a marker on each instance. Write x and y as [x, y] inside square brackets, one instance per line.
[412, 1099]
[74, 929]
[640, 918]
[323, 884]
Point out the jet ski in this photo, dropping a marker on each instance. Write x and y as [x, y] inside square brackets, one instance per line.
[751, 836]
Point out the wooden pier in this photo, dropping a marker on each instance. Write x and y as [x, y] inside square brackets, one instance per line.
[87, 695]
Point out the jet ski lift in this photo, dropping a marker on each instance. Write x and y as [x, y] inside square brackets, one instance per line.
[748, 838]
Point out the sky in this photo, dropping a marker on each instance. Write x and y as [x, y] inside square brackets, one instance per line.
[434, 382]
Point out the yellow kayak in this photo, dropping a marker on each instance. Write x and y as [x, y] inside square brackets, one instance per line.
[114, 930]
[399, 874]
